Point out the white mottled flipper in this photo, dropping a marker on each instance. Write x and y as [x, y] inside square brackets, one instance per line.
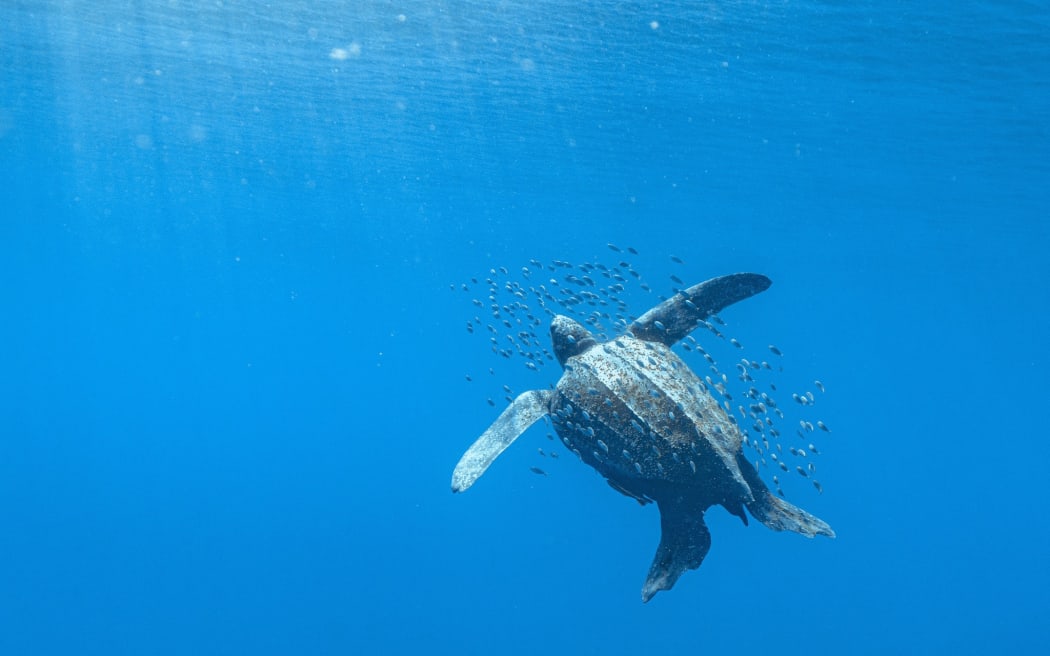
[526, 410]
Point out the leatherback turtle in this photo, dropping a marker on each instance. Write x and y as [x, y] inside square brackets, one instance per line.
[634, 411]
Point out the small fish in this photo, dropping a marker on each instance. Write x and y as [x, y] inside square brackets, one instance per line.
[614, 248]
[774, 350]
[822, 426]
[676, 259]
[819, 385]
[537, 470]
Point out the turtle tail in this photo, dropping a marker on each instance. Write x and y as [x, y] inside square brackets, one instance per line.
[776, 513]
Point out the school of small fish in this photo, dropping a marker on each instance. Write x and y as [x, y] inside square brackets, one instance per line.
[514, 310]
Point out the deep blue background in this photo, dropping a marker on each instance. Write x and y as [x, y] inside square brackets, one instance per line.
[232, 372]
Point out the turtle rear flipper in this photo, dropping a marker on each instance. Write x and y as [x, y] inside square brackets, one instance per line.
[684, 541]
[676, 317]
[776, 513]
[525, 411]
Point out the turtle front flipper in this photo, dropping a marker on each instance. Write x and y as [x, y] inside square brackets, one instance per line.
[684, 541]
[525, 411]
[676, 317]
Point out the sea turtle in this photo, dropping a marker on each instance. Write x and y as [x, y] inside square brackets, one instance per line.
[634, 411]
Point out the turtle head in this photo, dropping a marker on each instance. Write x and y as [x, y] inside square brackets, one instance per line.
[569, 338]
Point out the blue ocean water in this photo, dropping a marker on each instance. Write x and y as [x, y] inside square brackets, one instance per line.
[233, 374]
